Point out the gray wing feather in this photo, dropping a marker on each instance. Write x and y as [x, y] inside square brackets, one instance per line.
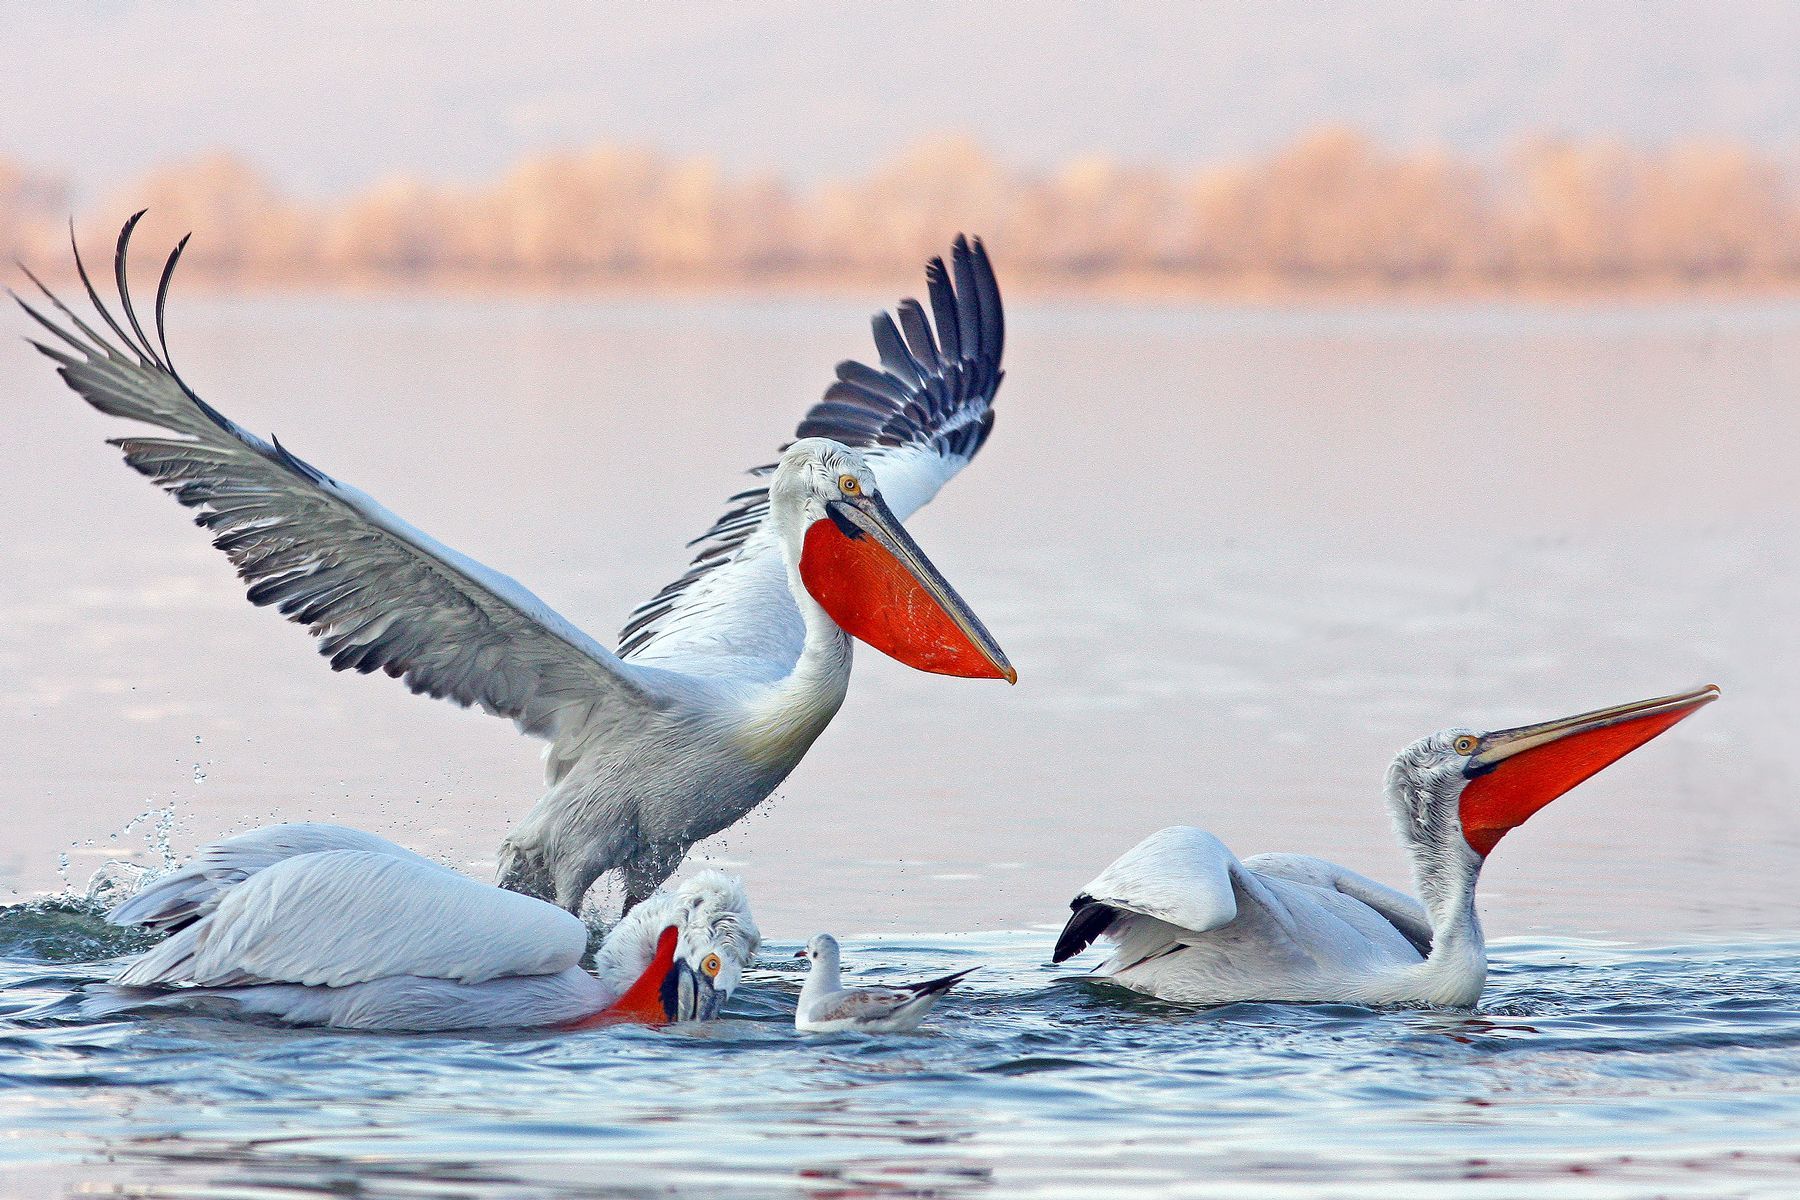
[865, 1004]
[1400, 910]
[379, 594]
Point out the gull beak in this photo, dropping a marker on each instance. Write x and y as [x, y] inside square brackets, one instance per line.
[866, 571]
[800, 954]
[1515, 772]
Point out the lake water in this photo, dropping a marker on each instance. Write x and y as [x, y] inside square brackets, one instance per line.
[1238, 555]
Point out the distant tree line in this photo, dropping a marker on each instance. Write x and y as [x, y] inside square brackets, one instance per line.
[1333, 211]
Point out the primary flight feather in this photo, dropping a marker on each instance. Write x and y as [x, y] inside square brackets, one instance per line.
[721, 682]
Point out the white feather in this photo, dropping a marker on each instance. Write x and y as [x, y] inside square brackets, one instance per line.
[195, 889]
[1180, 876]
[1195, 924]
[383, 939]
[339, 917]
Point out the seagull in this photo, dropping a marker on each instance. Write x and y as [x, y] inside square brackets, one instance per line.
[827, 1006]
[316, 924]
[1192, 923]
[721, 681]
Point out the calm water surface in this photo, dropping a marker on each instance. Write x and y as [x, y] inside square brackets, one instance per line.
[1239, 557]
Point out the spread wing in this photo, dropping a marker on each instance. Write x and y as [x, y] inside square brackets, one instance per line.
[1399, 910]
[918, 420]
[1181, 879]
[378, 593]
[338, 917]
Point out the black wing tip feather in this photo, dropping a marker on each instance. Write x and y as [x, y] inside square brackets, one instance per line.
[137, 341]
[938, 374]
[944, 982]
[94, 293]
[162, 301]
[294, 462]
[121, 273]
[1087, 922]
[934, 388]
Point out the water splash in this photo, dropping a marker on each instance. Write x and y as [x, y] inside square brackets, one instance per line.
[71, 925]
[158, 823]
[65, 929]
[116, 881]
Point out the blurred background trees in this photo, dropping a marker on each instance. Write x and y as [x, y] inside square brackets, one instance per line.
[1334, 211]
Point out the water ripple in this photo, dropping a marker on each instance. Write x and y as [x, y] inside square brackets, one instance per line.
[1584, 1056]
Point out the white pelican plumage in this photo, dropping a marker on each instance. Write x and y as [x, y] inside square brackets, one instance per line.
[721, 681]
[1192, 923]
[322, 925]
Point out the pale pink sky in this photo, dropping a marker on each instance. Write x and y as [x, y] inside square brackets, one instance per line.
[331, 96]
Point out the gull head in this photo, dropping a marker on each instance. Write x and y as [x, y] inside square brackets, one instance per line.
[823, 948]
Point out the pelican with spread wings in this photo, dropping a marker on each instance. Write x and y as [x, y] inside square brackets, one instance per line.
[721, 681]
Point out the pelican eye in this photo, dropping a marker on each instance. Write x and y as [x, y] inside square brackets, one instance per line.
[1467, 743]
[710, 966]
[850, 485]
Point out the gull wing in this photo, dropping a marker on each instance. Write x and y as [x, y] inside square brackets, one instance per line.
[340, 917]
[1397, 908]
[1183, 879]
[872, 1004]
[864, 1004]
[918, 420]
[378, 593]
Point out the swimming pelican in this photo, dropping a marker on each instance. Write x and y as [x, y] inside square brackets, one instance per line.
[1194, 924]
[321, 925]
[721, 681]
[827, 1006]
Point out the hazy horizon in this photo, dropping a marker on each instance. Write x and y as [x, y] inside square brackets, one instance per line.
[1331, 213]
[812, 90]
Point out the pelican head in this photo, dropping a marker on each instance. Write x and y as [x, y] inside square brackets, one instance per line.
[1455, 794]
[686, 949]
[858, 562]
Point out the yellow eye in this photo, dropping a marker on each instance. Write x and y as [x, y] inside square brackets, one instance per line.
[711, 964]
[1466, 744]
[849, 485]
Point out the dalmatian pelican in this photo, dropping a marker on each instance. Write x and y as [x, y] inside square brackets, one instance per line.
[316, 924]
[720, 682]
[1191, 922]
